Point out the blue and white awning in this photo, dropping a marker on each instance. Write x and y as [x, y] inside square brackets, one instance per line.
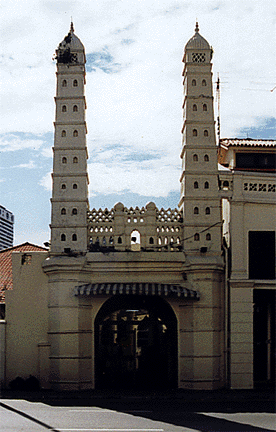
[148, 289]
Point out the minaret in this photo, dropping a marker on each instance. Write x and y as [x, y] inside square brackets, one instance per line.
[70, 179]
[199, 199]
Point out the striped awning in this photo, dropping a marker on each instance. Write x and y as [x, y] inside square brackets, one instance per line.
[150, 289]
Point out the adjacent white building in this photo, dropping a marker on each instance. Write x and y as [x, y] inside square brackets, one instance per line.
[248, 191]
[6, 228]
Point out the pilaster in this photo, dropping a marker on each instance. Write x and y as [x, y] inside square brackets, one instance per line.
[241, 343]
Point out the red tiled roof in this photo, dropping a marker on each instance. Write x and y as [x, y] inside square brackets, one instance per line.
[247, 142]
[6, 265]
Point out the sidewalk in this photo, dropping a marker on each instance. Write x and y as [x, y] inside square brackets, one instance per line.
[178, 395]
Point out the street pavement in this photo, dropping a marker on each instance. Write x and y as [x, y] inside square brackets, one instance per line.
[137, 412]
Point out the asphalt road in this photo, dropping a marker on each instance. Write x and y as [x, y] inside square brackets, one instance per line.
[136, 414]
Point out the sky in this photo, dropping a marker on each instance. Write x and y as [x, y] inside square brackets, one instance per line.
[134, 94]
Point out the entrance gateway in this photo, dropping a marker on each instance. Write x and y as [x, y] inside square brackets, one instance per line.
[136, 343]
[108, 255]
[136, 272]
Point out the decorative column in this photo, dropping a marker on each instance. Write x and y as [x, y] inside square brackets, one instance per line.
[70, 179]
[201, 326]
[199, 199]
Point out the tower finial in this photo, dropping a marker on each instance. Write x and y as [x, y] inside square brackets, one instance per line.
[72, 26]
[196, 27]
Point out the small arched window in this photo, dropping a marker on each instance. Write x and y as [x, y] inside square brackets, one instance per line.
[204, 107]
[194, 107]
[75, 133]
[75, 83]
[225, 184]
[119, 240]
[206, 185]
[63, 186]
[75, 186]
[63, 133]
[63, 211]
[74, 237]
[204, 83]
[151, 241]
[74, 211]
[206, 133]
[208, 236]
[64, 83]
[63, 237]
[64, 160]
[135, 241]
[64, 108]
[195, 158]
[196, 210]
[193, 82]
[206, 158]
[75, 159]
[194, 132]
[195, 185]
[75, 108]
[207, 210]
[196, 237]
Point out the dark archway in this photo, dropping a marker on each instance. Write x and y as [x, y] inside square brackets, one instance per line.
[136, 343]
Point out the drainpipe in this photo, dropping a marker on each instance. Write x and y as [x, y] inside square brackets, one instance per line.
[227, 314]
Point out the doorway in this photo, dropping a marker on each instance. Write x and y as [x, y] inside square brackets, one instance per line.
[136, 343]
[264, 337]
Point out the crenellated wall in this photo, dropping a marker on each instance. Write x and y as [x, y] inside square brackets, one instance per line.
[136, 228]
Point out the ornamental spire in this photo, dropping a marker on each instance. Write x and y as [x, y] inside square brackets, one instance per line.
[72, 26]
[196, 27]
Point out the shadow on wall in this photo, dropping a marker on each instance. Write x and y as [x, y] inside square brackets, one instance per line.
[30, 384]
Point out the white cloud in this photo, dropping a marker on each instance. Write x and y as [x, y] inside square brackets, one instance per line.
[146, 178]
[154, 177]
[14, 143]
[47, 152]
[29, 165]
[150, 87]
[46, 181]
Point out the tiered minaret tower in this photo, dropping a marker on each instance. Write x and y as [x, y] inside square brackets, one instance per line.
[199, 200]
[70, 179]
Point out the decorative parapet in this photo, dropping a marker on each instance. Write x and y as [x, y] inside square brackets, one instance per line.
[248, 186]
[146, 228]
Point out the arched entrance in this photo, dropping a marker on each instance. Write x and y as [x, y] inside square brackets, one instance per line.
[136, 343]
